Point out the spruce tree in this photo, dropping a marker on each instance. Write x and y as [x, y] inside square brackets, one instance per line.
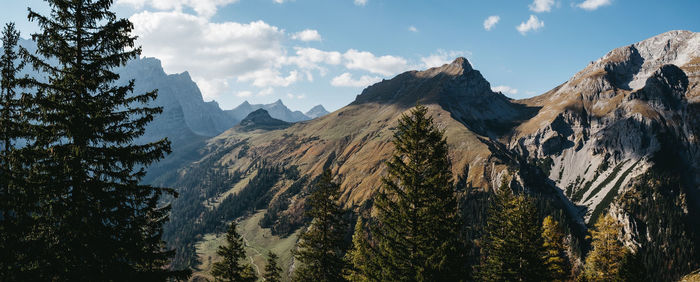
[231, 267]
[604, 262]
[96, 221]
[272, 270]
[495, 251]
[361, 264]
[512, 249]
[554, 257]
[418, 230]
[321, 248]
[14, 126]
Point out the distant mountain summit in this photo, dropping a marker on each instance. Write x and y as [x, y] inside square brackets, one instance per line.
[316, 111]
[276, 110]
[261, 119]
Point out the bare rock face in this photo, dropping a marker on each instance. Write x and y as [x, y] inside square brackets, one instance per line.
[603, 127]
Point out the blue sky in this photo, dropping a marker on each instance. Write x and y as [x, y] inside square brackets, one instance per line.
[309, 52]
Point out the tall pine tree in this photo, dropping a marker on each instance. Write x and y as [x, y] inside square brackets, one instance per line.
[272, 270]
[361, 264]
[418, 231]
[96, 221]
[512, 249]
[15, 219]
[605, 261]
[321, 248]
[554, 256]
[230, 268]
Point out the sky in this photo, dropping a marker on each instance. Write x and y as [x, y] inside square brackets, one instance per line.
[310, 52]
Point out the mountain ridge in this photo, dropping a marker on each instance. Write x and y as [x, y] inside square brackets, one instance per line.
[585, 145]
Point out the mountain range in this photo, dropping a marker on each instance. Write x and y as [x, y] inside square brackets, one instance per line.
[620, 136]
[185, 113]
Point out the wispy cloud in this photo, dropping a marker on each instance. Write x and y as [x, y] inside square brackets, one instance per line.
[205, 8]
[591, 5]
[532, 24]
[307, 35]
[384, 65]
[346, 80]
[412, 29]
[505, 89]
[441, 57]
[490, 22]
[539, 6]
[298, 97]
[360, 2]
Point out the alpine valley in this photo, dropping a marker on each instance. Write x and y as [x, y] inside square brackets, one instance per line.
[621, 137]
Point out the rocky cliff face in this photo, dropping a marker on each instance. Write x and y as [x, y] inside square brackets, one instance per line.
[600, 129]
[175, 91]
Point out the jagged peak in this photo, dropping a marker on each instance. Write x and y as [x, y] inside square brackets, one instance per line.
[628, 67]
[318, 107]
[278, 102]
[456, 68]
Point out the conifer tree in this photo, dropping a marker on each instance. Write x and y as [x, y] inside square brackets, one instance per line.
[512, 248]
[605, 260]
[13, 126]
[418, 232]
[231, 267]
[96, 221]
[321, 248]
[361, 264]
[554, 257]
[272, 270]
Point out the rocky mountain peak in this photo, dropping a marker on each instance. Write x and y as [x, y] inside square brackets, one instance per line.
[630, 66]
[261, 119]
[458, 67]
[317, 111]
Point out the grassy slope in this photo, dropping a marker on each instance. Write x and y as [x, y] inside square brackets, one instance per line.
[258, 242]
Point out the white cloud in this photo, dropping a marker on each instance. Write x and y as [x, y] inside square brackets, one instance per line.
[206, 8]
[384, 65]
[360, 2]
[266, 91]
[539, 6]
[243, 94]
[505, 89]
[591, 5]
[532, 24]
[211, 88]
[490, 22]
[213, 52]
[442, 57]
[412, 29]
[307, 35]
[270, 77]
[292, 96]
[310, 58]
[346, 80]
